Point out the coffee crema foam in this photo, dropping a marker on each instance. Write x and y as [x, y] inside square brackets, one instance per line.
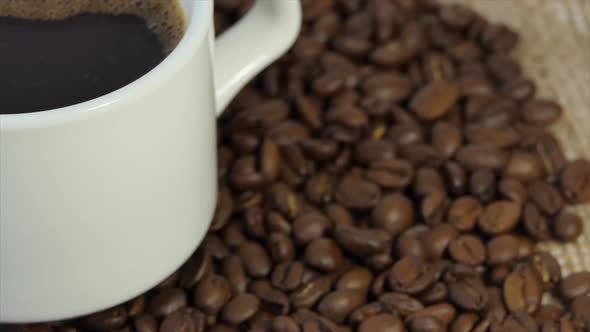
[164, 17]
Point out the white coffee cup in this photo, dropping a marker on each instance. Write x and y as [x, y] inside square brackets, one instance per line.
[101, 200]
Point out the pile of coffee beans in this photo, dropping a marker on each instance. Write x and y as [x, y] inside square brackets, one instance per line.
[393, 172]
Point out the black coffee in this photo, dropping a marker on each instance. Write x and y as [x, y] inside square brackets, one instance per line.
[60, 56]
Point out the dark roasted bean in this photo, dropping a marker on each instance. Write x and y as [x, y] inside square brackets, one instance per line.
[499, 217]
[575, 284]
[546, 197]
[523, 289]
[464, 212]
[323, 254]
[469, 294]
[567, 226]
[575, 181]
[411, 275]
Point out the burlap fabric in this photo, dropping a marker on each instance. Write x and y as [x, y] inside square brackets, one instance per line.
[555, 52]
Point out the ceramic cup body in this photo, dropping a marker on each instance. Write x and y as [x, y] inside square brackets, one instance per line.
[101, 200]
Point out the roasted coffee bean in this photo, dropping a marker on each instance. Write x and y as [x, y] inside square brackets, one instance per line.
[167, 301]
[579, 308]
[517, 322]
[374, 150]
[309, 293]
[498, 273]
[476, 156]
[524, 167]
[223, 328]
[233, 236]
[427, 180]
[260, 321]
[575, 182]
[199, 265]
[394, 213]
[548, 268]
[184, 320]
[482, 184]
[339, 215]
[576, 284]
[421, 154]
[284, 324]
[548, 149]
[391, 86]
[215, 246]
[425, 324]
[446, 138]
[456, 177]
[499, 217]
[567, 227]
[319, 188]
[106, 320]
[136, 306]
[404, 134]
[255, 259]
[320, 150]
[340, 303]
[145, 323]
[502, 249]
[535, 223]
[520, 89]
[382, 323]
[546, 197]
[288, 276]
[495, 311]
[541, 112]
[464, 323]
[435, 99]
[411, 275]
[395, 173]
[469, 294]
[444, 312]
[434, 207]
[468, 249]
[356, 278]
[437, 240]
[362, 242]
[523, 290]
[410, 242]
[400, 303]
[501, 137]
[526, 247]
[435, 294]
[366, 311]
[223, 210]
[437, 66]
[254, 222]
[356, 193]
[211, 294]
[457, 272]
[549, 312]
[310, 226]
[274, 301]
[235, 273]
[281, 247]
[240, 308]
[324, 254]
[513, 190]
[464, 212]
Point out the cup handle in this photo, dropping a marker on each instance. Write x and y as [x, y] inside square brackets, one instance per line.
[255, 41]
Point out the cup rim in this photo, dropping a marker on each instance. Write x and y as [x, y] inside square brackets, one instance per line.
[200, 16]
